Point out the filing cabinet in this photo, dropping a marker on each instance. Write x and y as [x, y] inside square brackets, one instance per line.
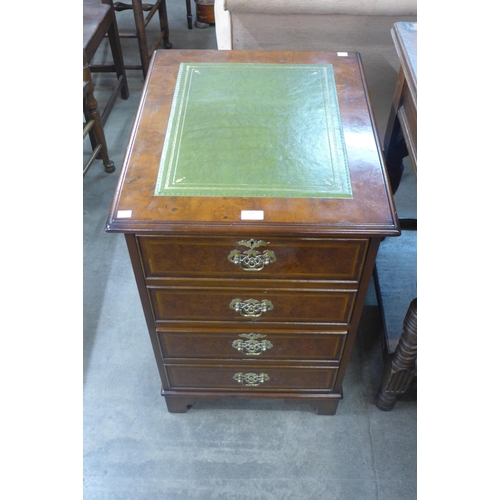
[264, 307]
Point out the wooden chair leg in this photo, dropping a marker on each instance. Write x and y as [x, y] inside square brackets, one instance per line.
[98, 132]
[189, 15]
[162, 14]
[116, 51]
[399, 369]
[141, 35]
[93, 117]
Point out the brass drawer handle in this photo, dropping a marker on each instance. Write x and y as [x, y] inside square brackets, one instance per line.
[252, 260]
[252, 346]
[251, 379]
[251, 308]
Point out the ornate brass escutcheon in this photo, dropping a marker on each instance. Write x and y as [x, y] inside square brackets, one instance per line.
[252, 346]
[252, 260]
[251, 308]
[251, 379]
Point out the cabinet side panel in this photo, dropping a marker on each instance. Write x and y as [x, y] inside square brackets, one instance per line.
[146, 305]
[358, 309]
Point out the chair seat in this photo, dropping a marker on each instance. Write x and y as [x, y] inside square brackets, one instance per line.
[95, 26]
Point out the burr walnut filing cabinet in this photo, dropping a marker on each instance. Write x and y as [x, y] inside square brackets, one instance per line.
[253, 198]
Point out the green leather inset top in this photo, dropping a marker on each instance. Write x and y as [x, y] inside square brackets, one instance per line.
[254, 130]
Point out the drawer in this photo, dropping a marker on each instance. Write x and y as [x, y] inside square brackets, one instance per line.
[243, 257]
[252, 345]
[259, 305]
[256, 377]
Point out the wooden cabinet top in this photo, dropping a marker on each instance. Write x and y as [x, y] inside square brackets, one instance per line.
[368, 211]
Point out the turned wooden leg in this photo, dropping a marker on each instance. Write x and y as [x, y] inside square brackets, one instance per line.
[399, 369]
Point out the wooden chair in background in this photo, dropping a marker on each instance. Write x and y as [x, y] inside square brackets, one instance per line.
[93, 123]
[141, 22]
[99, 23]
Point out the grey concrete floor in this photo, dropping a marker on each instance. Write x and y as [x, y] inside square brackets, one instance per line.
[231, 449]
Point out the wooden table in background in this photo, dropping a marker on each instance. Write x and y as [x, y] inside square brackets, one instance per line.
[401, 134]
[400, 141]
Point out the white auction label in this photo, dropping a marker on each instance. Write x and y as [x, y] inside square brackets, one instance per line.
[252, 215]
[124, 214]
[342, 54]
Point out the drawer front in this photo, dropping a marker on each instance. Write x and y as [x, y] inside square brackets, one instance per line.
[252, 345]
[258, 377]
[271, 258]
[259, 305]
